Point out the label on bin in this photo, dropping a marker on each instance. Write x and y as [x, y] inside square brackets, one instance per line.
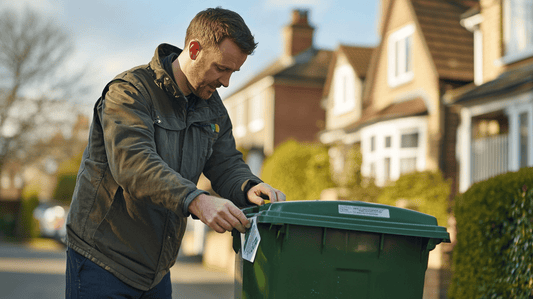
[364, 211]
[250, 241]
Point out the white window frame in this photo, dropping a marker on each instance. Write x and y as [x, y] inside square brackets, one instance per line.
[394, 129]
[256, 112]
[400, 36]
[517, 29]
[343, 90]
[237, 116]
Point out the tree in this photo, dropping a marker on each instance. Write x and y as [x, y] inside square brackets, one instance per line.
[33, 82]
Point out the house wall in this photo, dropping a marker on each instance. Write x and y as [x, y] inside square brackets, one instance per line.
[491, 28]
[424, 84]
[297, 113]
[256, 100]
[333, 119]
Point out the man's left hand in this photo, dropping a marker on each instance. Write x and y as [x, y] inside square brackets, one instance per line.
[259, 192]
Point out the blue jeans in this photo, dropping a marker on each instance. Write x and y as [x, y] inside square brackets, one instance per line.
[86, 279]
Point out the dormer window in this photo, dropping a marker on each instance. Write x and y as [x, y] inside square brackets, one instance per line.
[517, 29]
[344, 89]
[400, 45]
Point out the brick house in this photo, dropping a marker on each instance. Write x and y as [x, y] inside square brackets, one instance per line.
[496, 111]
[283, 100]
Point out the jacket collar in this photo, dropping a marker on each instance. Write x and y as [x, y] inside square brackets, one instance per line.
[161, 77]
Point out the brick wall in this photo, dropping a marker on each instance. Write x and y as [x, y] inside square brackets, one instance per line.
[298, 113]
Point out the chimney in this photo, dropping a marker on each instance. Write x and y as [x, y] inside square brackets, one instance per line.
[297, 36]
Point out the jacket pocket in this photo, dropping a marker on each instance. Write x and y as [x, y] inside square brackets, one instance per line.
[168, 138]
[132, 233]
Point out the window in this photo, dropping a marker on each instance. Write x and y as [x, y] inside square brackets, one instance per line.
[409, 140]
[400, 67]
[344, 90]
[388, 142]
[393, 148]
[240, 127]
[256, 113]
[518, 29]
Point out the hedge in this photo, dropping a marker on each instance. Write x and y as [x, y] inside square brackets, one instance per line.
[493, 256]
[426, 192]
[300, 170]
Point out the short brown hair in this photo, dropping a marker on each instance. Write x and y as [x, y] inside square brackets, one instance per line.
[211, 26]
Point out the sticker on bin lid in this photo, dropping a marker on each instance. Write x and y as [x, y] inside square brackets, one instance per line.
[250, 241]
[364, 211]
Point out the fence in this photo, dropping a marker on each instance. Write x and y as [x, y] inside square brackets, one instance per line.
[490, 157]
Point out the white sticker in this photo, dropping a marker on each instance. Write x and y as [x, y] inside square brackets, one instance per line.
[250, 241]
[364, 211]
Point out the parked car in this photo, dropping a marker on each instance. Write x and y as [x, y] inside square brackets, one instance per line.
[52, 217]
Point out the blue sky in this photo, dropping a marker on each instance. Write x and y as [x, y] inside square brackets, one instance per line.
[111, 36]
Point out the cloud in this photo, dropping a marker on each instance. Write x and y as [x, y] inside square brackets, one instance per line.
[47, 7]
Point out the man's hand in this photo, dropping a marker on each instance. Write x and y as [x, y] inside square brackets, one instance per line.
[258, 193]
[218, 213]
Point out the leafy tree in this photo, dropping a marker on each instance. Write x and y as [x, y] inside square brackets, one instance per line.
[300, 170]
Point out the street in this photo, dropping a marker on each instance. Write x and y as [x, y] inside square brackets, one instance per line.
[33, 272]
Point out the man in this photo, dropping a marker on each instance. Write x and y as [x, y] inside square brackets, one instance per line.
[155, 129]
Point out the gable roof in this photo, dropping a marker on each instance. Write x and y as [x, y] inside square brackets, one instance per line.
[439, 20]
[358, 57]
[450, 44]
[414, 107]
[309, 66]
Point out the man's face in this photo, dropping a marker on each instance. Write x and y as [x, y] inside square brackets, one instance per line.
[213, 68]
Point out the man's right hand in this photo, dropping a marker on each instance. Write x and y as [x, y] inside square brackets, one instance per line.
[218, 213]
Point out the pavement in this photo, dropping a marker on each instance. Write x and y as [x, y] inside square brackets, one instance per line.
[186, 270]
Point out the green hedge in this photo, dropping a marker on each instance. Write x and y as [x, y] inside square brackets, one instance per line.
[27, 225]
[426, 192]
[493, 257]
[65, 188]
[300, 170]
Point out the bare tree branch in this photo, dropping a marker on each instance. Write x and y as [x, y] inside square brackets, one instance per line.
[33, 55]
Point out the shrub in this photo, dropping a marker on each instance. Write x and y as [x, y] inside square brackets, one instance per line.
[66, 178]
[300, 170]
[65, 188]
[27, 225]
[493, 256]
[426, 192]
[350, 183]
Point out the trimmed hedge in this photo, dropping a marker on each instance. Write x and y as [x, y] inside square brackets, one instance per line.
[300, 170]
[493, 257]
[426, 192]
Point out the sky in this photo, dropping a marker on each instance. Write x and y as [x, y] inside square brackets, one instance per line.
[111, 36]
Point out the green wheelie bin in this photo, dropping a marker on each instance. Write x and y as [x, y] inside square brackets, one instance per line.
[334, 249]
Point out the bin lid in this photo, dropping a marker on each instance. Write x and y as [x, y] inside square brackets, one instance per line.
[350, 215]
